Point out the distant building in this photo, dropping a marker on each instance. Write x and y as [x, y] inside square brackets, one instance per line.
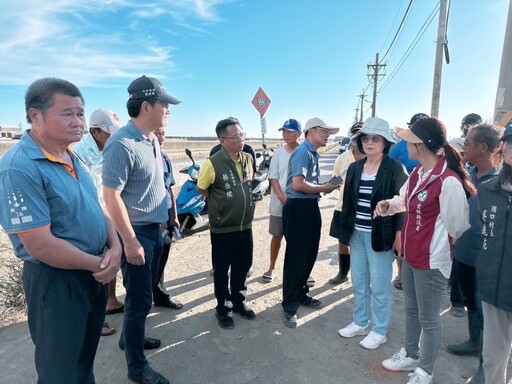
[11, 131]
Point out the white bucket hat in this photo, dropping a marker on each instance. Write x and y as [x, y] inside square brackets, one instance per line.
[376, 126]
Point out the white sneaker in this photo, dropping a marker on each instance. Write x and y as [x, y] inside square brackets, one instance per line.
[353, 329]
[373, 340]
[400, 362]
[419, 376]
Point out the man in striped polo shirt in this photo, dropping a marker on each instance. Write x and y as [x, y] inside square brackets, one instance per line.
[134, 192]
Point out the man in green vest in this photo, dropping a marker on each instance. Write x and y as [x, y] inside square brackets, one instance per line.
[225, 179]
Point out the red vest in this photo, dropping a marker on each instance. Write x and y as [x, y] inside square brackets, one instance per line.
[419, 231]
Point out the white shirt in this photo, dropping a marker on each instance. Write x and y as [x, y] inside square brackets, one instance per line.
[278, 171]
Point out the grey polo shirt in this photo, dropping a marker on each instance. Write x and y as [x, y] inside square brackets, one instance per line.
[132, 164]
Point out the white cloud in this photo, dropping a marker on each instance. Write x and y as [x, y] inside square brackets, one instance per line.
[96, 41]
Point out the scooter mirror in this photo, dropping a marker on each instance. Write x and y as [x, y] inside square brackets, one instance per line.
[189, 154]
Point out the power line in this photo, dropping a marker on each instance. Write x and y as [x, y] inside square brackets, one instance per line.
[391, 26]
[409, 50]
[399, 28]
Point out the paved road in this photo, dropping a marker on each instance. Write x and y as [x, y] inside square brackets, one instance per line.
[195, 350]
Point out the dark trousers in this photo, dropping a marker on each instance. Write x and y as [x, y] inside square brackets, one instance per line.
[231, 250]
[302, 223]
[160, 294]
[138, 281]
[466, 275]
[66, 310]
[455, 292]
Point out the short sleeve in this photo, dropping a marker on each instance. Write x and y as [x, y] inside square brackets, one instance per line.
[206, 175]
[117, 163]
[24, 204]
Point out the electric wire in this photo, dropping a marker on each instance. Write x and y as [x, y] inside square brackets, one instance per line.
[399, 28]
[391, 27]
[409, 50]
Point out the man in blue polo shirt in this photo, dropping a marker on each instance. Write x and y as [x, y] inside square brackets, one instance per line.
[47, 195]
[135, 195]
[302, 220]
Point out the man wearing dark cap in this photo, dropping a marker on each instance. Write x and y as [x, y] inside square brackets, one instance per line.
[468, 121]
[278, 175]
[134, 192]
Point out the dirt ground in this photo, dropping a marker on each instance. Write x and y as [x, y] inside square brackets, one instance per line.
[195, 350]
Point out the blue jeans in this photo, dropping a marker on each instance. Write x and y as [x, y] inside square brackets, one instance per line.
[371, 280]
[138, 281]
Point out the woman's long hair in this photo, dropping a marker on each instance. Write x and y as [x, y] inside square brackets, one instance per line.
[437, 135]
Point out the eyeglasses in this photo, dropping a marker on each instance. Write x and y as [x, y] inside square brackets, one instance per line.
[375, 139]
[239, 137]
[325, 131]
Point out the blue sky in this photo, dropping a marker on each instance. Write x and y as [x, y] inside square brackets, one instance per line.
[310, 57]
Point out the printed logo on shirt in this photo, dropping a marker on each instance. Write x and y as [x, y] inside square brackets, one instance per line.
[422, 196]
[18, 210]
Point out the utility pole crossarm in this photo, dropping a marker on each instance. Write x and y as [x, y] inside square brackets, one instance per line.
[375, 76]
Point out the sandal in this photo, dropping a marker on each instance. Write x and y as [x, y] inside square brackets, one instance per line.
[397, 283]
[311, 281]
[106, 330]
[268, 276]
[170, 303]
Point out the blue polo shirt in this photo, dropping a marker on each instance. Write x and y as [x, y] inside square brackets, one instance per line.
[303, 162]
[37, 192]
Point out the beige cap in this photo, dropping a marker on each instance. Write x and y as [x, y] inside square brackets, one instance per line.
[315, 122]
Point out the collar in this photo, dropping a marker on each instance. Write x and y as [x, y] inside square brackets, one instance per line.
[33, 151]
[309, 146]
[136, 132]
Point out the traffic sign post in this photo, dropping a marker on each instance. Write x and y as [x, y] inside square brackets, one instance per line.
[261, 102]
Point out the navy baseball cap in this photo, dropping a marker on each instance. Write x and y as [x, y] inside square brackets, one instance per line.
[416, 117]
[291, 125]
[148, 87]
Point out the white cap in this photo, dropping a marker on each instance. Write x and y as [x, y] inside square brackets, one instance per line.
[106, 120]
[315, 122]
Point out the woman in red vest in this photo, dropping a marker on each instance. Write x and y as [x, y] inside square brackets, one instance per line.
[434, 199]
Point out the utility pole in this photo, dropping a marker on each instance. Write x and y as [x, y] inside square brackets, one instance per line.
[503, 106]
[438, 69]
[375, 76]
[361, 96]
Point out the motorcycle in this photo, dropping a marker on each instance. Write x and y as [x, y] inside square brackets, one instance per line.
[261, 184]
[190, 204]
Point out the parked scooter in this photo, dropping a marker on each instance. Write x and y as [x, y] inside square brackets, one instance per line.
[261, 183]
[191, 205]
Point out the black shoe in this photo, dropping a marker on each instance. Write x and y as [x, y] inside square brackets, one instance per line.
[225, 321]
[311, 303]
[149, 376]
[149, 343]
[245, 313]
[290, 320]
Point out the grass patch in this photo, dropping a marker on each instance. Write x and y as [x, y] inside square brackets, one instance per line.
[12, 298]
